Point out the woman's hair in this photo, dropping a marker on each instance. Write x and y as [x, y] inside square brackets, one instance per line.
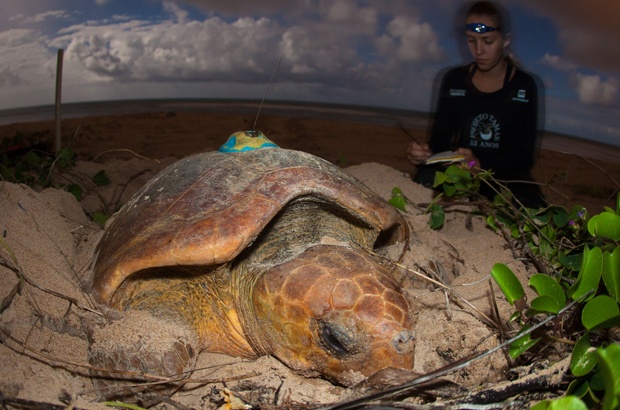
[493, 10]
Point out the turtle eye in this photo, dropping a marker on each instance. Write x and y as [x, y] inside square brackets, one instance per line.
[333, 339]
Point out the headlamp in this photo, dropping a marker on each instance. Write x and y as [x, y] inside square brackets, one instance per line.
[479, 28]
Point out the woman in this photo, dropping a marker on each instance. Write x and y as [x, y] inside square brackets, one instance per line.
[488, 110]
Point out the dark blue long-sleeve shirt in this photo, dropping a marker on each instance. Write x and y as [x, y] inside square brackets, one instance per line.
[500, 128]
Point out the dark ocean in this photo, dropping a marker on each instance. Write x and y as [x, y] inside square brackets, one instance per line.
[379, 115]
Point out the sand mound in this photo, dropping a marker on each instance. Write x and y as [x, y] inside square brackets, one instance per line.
[44, 268]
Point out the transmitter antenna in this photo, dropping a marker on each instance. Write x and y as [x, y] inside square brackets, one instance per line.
[266, 91]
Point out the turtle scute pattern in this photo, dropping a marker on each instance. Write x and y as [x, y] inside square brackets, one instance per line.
[251, 253]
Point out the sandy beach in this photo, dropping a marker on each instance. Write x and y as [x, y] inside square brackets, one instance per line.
[572, 171]
[50, 238]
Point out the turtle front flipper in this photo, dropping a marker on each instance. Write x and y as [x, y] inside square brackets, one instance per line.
[153, 345]
[141, 356]
[169, 315]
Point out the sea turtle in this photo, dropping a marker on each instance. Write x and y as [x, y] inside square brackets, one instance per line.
[257, 251]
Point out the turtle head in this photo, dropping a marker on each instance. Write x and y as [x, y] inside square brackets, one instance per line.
[336, 312]
[246, 141]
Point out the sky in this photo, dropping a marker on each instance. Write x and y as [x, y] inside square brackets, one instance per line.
[384, 53]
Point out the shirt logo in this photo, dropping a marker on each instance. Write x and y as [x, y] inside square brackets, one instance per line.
[521, 96]
[484, 132]
[457, 92]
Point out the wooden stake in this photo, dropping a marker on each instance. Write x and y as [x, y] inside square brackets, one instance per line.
[58, 144]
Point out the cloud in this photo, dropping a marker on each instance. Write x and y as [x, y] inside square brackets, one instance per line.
[591, 89]
[323, 42]
[40, 17]
[311, 55]
[243, 7]
[328, 47]
[23, 60]
[176, 10]
[357, 19]
[558, 62]
[212, 50]
[334, 46]
[587, 31]
[410, 41]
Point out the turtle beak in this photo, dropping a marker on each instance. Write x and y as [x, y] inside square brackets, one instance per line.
[355, 347]
[344, 335]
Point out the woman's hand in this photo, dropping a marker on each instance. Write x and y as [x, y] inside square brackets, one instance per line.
[470, 159]
[416, 153]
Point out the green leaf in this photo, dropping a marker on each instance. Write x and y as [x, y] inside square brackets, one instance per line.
[541, 405]
[595, 379]
[458, 174]
[589, 275]
[522, 344]
[606, 225]
[611, 272]
[563, 403]
[609, 359]
[456, 181]
[599, 310]
[449, 189]
[32, 159]
[499, 200]
[545, 285]
[100, 218]
[507, 282]
[544, 304]
[76, 191]
[543, 217]
[583, 359]
[101, 179]
[514, 231]
[579, 387]
[560, 216]
[515, 316]
[440, 178]
[608, 323]
[567, 403]
[572, 262]
[398, 202]
[66, 158]
[491, 223]
[438, 216]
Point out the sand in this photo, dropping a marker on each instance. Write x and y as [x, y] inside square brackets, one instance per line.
[49, 240]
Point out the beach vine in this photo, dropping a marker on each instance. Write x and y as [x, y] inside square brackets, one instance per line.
[577, 257]
[26, 161]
